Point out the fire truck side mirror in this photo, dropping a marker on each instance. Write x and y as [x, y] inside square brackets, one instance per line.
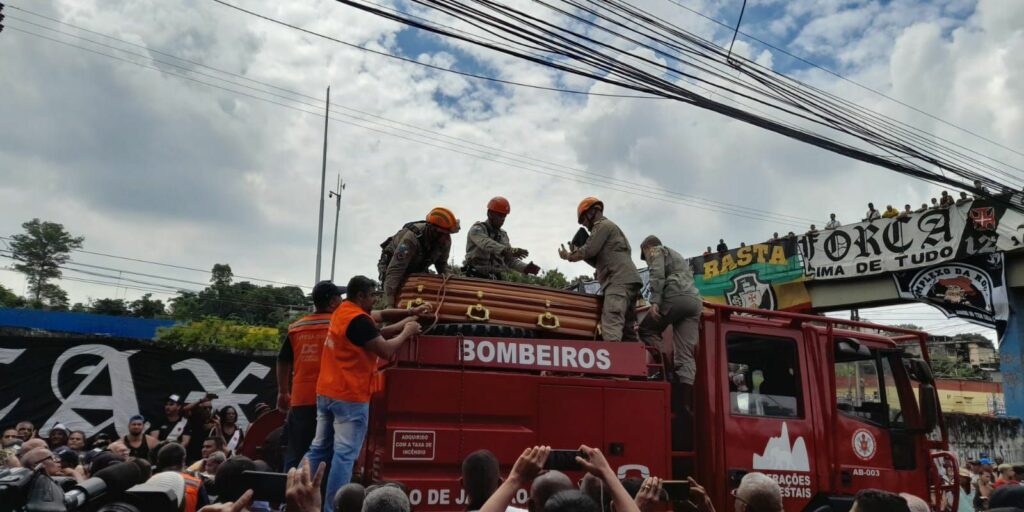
[929, 401]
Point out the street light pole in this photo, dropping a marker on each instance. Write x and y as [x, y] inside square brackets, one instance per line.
[323, 185]
[337, 212]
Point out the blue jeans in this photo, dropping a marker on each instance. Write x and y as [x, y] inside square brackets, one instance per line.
[341, 428]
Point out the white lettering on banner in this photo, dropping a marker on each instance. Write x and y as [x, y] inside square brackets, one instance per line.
[121, 402]
[8, 356]
[211, 383]
[885, 245]
[539, 354]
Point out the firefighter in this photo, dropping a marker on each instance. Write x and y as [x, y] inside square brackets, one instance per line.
[489, 253]
[608, 251]
[416, 247]
[674, 301]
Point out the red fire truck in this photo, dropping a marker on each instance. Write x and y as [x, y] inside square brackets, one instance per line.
[823, 406]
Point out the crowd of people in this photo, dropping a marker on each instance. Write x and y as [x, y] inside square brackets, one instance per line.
[991, 484]
[945, 200]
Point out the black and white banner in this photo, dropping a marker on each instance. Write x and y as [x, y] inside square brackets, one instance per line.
[973, 289]
[96, 385]
[884, 245]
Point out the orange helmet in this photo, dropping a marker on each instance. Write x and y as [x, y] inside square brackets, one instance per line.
[443, 219]
[586, 204]
[499, 204]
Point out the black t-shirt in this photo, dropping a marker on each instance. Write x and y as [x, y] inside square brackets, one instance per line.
[361, 330]
[194, 450]
[286, 354]
[166, 426]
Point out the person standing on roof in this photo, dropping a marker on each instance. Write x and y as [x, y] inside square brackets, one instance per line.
[489, 253]
[416, 247]
[608, 251]
[348, 377]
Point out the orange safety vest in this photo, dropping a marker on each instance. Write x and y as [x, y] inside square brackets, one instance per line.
[347, 371]
[307, 337]
[191, 492]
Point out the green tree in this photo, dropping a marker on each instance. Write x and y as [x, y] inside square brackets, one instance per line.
[550, 279]
[39, 253]
[217, 332]
[79, 308]
[242, 301]
[146, 307]
[221, 274]
[9, 299]
[112, 307]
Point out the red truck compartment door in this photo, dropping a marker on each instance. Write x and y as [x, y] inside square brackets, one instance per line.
[768, 426]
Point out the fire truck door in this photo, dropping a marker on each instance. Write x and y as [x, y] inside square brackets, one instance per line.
[768, 426]
[873, 446]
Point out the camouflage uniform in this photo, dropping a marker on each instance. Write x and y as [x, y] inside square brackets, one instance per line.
[489, 252]
[679, 305]
[608, 251]
[408, 252]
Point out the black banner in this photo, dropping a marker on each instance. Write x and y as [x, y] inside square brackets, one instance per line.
[972, 288]
[95, 385]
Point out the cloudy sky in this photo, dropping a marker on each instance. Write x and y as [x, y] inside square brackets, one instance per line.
[155, 158]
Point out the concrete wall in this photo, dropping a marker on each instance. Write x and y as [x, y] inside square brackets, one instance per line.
[971, 435]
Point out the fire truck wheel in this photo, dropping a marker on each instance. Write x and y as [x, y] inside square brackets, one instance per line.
[478, 330]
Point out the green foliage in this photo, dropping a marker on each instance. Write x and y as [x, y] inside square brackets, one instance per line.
[9, 299]
[242, 302]
[217, 332]
[912, 327]
[39, 253]
[146, 307]
[112, 307]
[552, 278]
[951, 368]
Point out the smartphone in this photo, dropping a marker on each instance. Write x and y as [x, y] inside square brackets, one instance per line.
[266, 486]
[212, 396]
[564, 460]
[675, 490]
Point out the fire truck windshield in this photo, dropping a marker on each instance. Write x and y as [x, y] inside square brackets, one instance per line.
[866, 387]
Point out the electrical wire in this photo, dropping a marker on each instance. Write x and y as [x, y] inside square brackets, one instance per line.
[694, 202]
[169, 265]
[864, 136]
[848, 80]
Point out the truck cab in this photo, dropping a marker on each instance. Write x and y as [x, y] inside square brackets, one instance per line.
[826, 407]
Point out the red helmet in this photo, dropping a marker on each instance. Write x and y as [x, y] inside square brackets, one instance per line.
[499, 204]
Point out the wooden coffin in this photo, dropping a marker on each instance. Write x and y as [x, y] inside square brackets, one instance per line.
[531, 310]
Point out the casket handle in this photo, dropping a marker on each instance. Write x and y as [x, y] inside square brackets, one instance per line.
[479, 312]
[415, 302]
[552, 321]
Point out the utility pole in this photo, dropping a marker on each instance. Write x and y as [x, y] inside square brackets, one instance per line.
[337, 212]
[323, 185]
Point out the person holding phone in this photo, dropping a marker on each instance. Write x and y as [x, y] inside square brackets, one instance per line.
[533, 460]
[349, 367]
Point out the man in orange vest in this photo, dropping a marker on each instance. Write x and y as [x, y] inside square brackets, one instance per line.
[348, 373]
[171, 457]
[298, 366]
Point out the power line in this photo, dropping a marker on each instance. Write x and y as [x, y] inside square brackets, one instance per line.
[862, 134]
[180, 267]
[845, 79]
[709, 205]
[424, 64]
[160, 286]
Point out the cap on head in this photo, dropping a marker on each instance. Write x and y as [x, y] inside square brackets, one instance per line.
[443, 219]
[176, 398]
[586, 204]
[59, 426]
[324, 290]
[499, 204]
[650, 241]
